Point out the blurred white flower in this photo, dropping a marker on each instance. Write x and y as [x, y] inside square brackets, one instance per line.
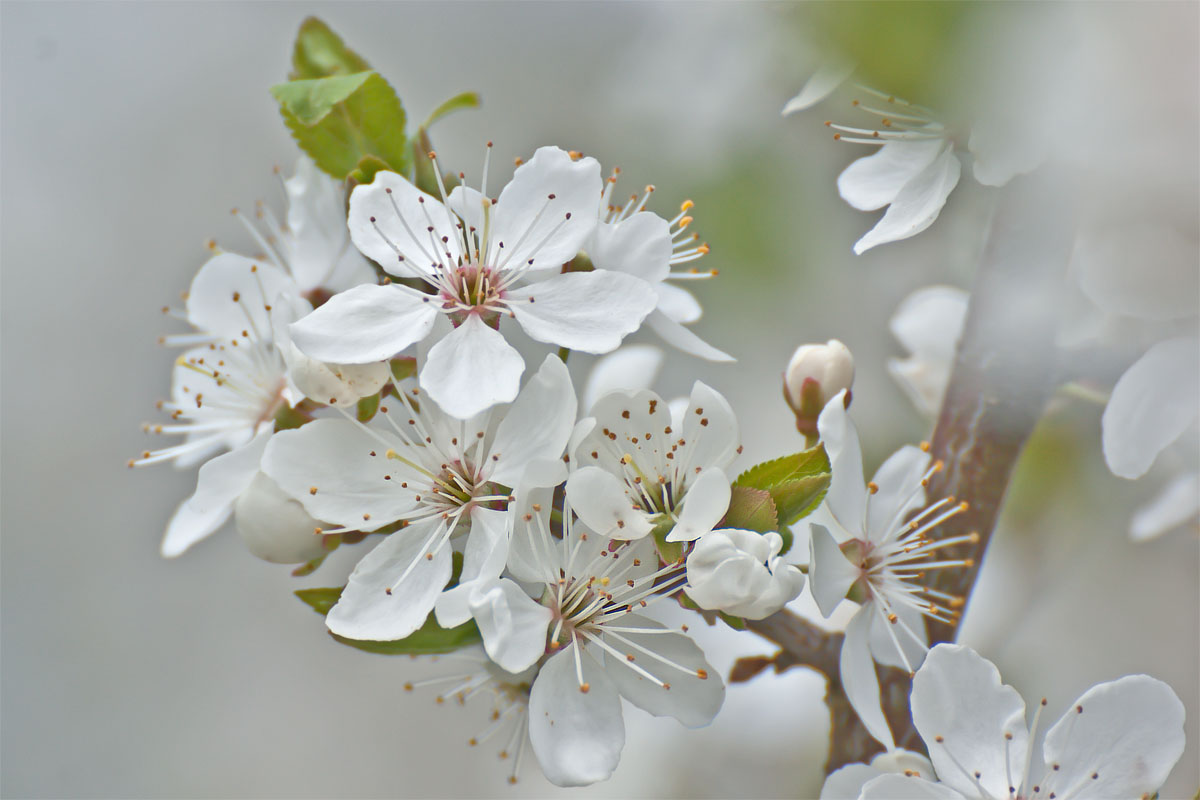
[741, 573]
[879, 555]
[483, 260]
[1118, 740]
[928, 323]
[586, 590]
[634, 469]
[437, 478]
[847, 782]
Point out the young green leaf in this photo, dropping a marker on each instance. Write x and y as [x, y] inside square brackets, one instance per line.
[798, 497]
[751, 510]
[456, 103]
[341, 119]
[320, 600]
[813, 461]
[319, 53]
[429, 639]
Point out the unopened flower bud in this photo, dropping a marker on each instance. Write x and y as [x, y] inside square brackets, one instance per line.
[815, 374]
[741, 573]
[275, 527]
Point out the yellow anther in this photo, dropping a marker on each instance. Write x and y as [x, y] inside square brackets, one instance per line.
[686, 204]
[683, 223]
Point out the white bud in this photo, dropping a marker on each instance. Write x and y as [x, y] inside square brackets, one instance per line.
[829, 365]
[275, 527]
[741, 573]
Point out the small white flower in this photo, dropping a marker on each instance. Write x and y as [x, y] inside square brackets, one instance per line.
[634, 469]
[878, 555]
[581, 627]
[741, 573]
[435, 477]
[483, 260]
[1118, 740]
[637, 242]
[928, 323]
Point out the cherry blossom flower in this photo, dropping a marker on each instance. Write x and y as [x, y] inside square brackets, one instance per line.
[877, 554]
[636, 469]
[631, 240]
[1120, 739]
[482, 260]
[741, 573]
[585, 628]
[928, 323]
[436, 479]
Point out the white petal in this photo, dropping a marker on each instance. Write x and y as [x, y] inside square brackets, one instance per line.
[577, 736]
[904, 787]
[528, 556]
[883, 646]
[1145, 270]
[406, 231]
[587, 311]
[704, 504]
[917, 205]
[1153, 403]
[333, 456]
[692, 700]
[274, 526]
[876, 180]
[631, 368]
[1178, 503]
[1004, 147]
[335, 384]
[859, 680]
[830, 573]
[364, 324]
[527, 221]
[823, 83]
[710, 429]
[639, 245]
[900, 491]
[536, 426]
[683, 339]
[211, 303]
[218, 484]
[399, 563]
[472, 369]
[847, 783]
[958, 696]
[678, 303]
[1120, 739]
[483, 561]
[847, 494]
[740, 573]
[929, 321]
[513, 625]
[599, 499]
[469, 205]
[316, 232]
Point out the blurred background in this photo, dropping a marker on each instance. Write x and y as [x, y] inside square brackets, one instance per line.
[129, 130]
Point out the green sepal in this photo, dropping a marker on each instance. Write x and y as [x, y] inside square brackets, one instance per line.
[319, 53]
[456, 103]
[737, 623]
[342, 118]
[287, 418]
[668, 552]
[751, 510]
[309, 567]
[429, 639]
[364, 173]
[403, 368]
[367, 406]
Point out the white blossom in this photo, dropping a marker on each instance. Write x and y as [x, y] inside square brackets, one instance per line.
[274, 526]
[437, 479]
[635, 469]
[846, 783]
[482, 260]
[741, 573]
[928, 323]
[1120, 739]
[879, 553]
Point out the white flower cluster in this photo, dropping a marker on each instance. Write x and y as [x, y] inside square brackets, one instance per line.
[325, 405]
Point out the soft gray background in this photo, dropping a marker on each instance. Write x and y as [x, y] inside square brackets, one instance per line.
[129, 130]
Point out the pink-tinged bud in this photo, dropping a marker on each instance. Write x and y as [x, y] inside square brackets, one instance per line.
[815, 374]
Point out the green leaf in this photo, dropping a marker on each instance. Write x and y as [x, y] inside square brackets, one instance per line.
[456, 103]
[319, 53]
[751, 510]
[364, 173]
[813, 461]
[429, 639]
[798, 497]
[320, 600]
[341, 119]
